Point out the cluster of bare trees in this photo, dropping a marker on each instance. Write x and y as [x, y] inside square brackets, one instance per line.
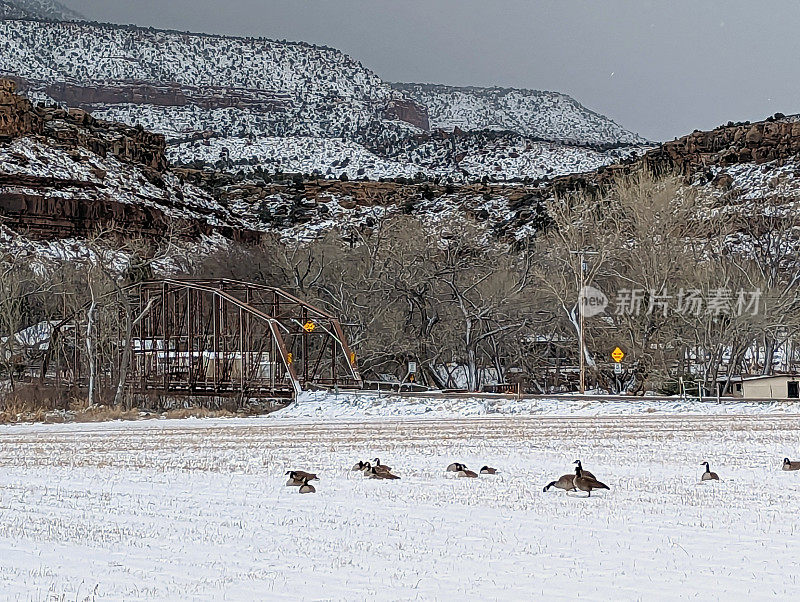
[22, 290]
[82, 292]
[696, 290]
[691, 290]
[406, 292]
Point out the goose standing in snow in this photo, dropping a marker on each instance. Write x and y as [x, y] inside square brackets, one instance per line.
[708, 475]
[585, 473]
[586, 483]
[567, 481]
[790, 465]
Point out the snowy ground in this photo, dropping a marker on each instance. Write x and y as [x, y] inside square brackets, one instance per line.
[197, 510]
[321, 406]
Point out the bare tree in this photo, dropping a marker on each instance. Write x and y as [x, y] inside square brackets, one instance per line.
[114, 262]
[763, 249]
[22, 285]
[578, 224]
[485, 291]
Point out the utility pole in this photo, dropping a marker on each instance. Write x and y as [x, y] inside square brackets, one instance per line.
[581, 302]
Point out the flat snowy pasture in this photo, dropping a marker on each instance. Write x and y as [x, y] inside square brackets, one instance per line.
[198, 509]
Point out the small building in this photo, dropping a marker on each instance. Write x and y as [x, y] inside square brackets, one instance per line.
[777, 386]
[733, 384]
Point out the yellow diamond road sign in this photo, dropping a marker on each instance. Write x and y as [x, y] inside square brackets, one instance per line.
[617, 355]
[309, 326]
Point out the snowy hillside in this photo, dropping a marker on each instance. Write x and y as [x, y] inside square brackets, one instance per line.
[87, 176]
[331, 157]
[547, 115]
[36, 9]
[274, 103]
[298, 88]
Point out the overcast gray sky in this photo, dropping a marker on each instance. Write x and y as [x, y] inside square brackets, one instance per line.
[662, 69]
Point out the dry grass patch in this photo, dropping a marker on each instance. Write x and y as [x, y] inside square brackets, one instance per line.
[197, 412]
[104, 413]
[37, 403]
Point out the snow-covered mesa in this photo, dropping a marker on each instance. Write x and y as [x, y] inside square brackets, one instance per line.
[290, 106]
[537, 113]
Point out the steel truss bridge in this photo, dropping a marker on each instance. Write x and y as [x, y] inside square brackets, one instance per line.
[205, 338]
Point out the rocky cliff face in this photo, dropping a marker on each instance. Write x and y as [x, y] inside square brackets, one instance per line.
[169, 95]
[77, 128]
[776, 139]
[739, 169]
[17, 117]
[64, 173]
[409, 111]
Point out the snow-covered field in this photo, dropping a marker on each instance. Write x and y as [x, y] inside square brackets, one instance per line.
[198, 510]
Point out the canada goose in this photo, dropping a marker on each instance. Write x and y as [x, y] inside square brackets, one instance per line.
[306, 488]
[359, 466]
[296, 477]
[467, 473]
[302, 474]
[379, 466]
[456, 467]
[294, 481]
[790, 465]
[384, 474]
[585, 473]
[565, 482]
[585, 483]
[708, 475]
[371, 472]
[488, 470]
